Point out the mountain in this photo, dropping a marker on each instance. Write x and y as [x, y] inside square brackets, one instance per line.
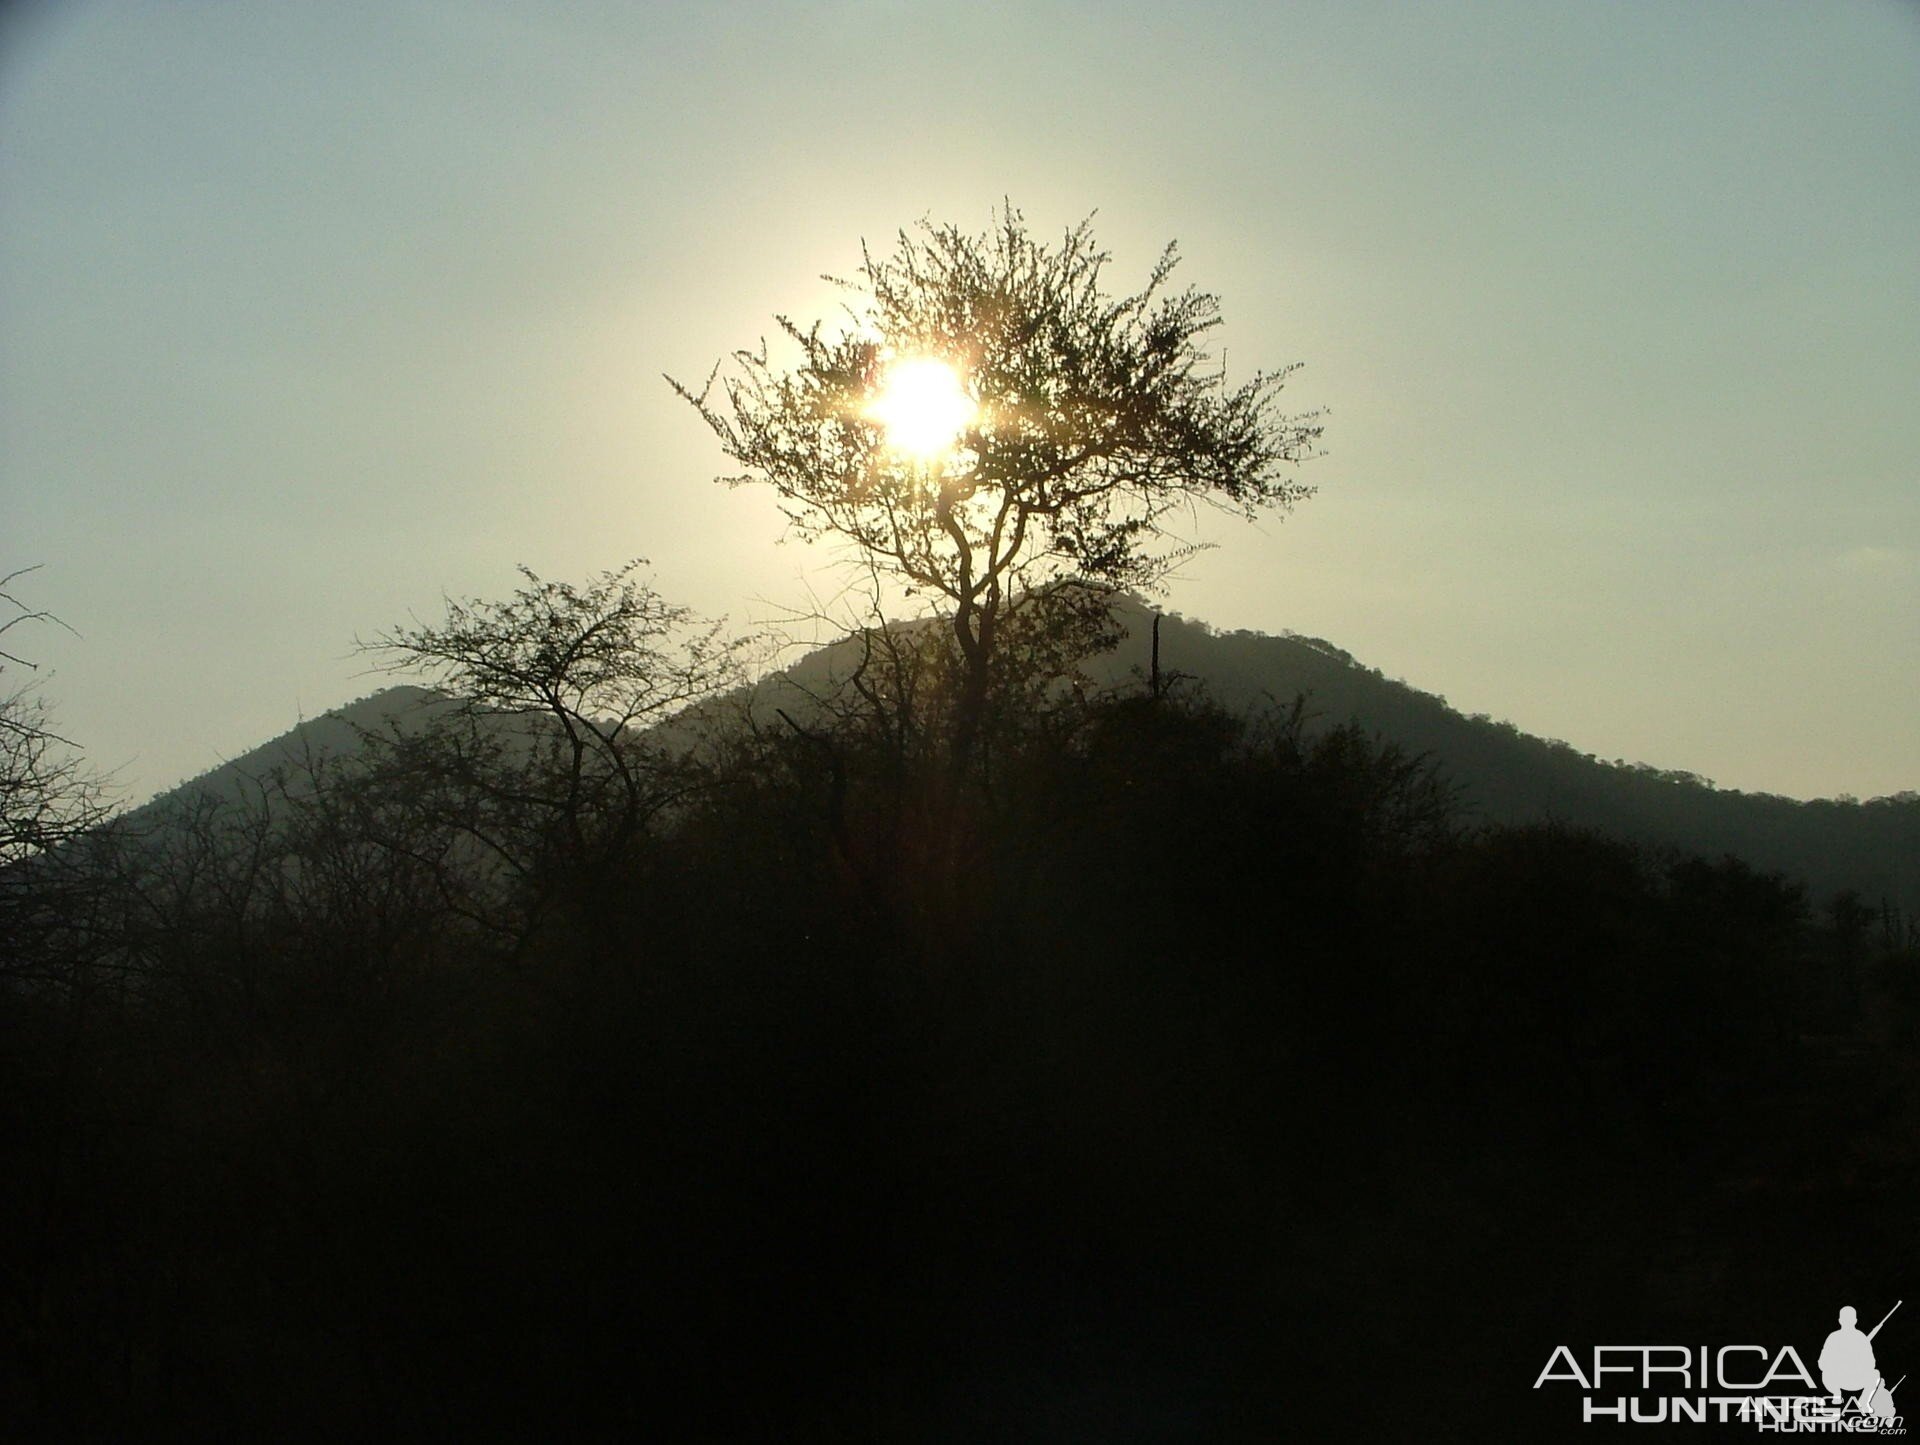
[1501, 775]
[1507, 776]
[333, 734]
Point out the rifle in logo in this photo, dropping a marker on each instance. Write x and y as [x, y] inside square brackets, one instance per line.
[1883, 1319]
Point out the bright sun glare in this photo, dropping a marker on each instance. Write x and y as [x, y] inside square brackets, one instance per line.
[923, 407]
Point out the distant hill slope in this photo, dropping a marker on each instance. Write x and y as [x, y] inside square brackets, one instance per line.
[1507, 776]
[332, 734]
[1503, 775]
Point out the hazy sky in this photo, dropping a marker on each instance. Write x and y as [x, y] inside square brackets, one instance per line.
[309, 313]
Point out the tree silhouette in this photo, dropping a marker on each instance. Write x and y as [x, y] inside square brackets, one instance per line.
[1084, 423]
[547, 758]
[46, 793]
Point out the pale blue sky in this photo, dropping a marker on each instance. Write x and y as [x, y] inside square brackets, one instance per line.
[311, 312]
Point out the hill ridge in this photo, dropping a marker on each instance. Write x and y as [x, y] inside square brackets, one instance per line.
[1503, 775]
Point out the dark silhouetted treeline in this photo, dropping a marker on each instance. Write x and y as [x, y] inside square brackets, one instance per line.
[1507, 776]
[1174, 1077]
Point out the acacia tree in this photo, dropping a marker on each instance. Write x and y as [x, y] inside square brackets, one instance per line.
[52, 804]
[1078, 425]
[546, 752]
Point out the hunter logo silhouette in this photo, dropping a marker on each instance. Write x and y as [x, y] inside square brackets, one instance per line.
[1848, 1368]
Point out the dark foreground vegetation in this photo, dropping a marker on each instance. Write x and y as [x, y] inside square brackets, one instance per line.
[942, 1052]
[1174, 1077]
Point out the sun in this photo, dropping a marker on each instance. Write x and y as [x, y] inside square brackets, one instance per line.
[924, 407]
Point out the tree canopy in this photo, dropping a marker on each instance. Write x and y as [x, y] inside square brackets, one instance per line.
[548, 754]
[1082, 424]
[46, 793]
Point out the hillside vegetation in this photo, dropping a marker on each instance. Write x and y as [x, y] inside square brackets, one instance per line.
[1179, 1073]
[1498, 774]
